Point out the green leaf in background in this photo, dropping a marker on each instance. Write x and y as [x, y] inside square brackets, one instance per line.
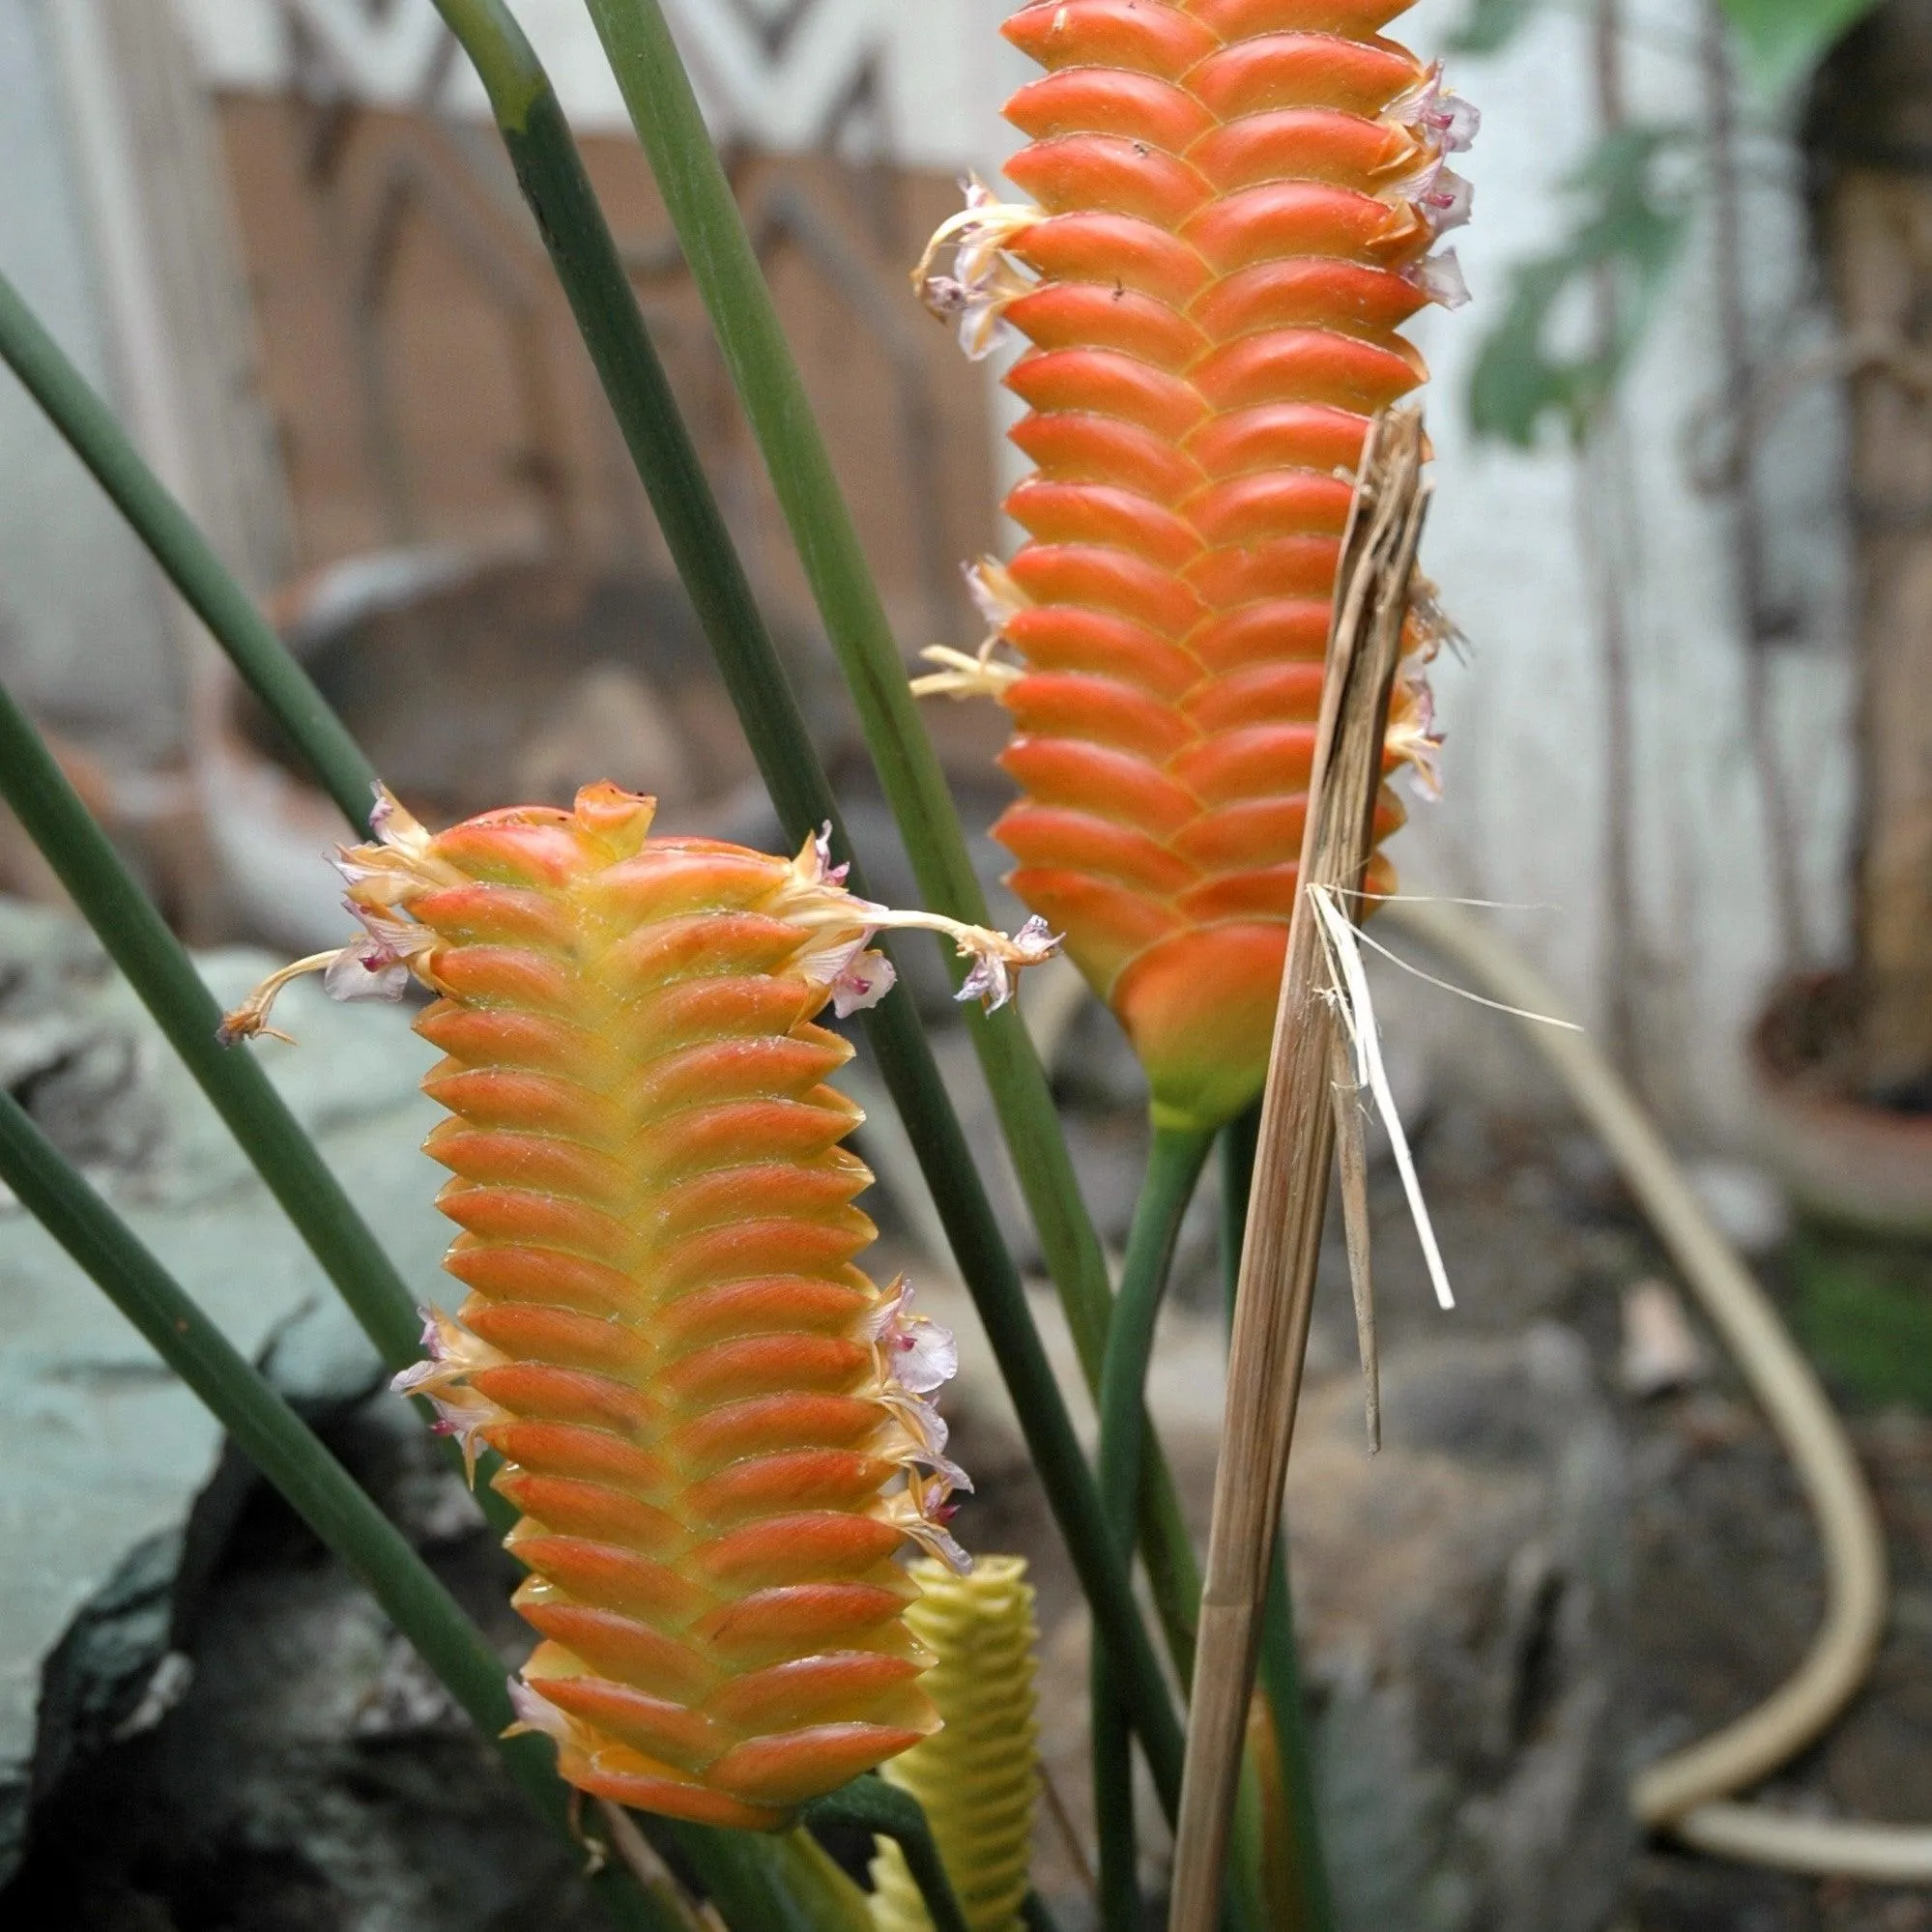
[1489, 26]
[1781, 40]
[1631, 226]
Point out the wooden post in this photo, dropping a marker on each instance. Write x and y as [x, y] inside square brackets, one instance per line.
[1873, 125]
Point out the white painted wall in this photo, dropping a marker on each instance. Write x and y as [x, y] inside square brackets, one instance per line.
[936, 60]
[1524, 815]
[83, 639]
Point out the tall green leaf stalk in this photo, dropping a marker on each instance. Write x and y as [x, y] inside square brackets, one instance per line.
[1173, 1167]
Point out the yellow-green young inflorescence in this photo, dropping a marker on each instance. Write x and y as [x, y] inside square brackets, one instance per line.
[978, 1778]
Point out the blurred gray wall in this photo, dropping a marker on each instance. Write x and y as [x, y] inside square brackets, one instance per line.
[84, 637]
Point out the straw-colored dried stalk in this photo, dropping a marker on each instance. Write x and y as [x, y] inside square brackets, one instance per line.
[1297, 1135]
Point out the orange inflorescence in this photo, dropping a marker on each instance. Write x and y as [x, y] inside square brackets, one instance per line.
[1232, 204]
[717, 1428]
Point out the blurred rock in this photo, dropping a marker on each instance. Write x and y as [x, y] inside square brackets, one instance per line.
[320, 1358]
[1460, 1603]
[310, 1774]
[1460, 1599]
[606, 723]
[1749, 1207]
[1660, 1350]
[1095, 1067]
[112, 1465]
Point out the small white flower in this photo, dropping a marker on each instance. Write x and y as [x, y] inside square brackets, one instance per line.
[922, 1511]
[365, 971]
[453, 1354]
[1440, 278]
[918, 1353]
[863, 982]
[995, 593]
[536, 1712]
[1444, 121]
[813, 863]
[1454, 122]
[842, 927]
[989, 982]
[985, 280]
[997, 962]
[1446, 200]
[923, 1423]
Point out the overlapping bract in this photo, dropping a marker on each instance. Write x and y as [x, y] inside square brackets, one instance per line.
[717, 1428]
[1232, 204]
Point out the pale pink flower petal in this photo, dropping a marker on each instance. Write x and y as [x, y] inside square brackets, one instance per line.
[1447, 201]
[1440, 278]
[536, 1712]
[365, 972]
[864, 982]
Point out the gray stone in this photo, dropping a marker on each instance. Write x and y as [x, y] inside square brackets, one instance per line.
[107, 1453]
[1462, 1601]
[306, 1773]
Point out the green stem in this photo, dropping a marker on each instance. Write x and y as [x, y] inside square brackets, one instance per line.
[665, 112]
[1173, 1167]
[553, 178]
[890, 1813]
[1299, 1889]
[162, 974]
[1304, 1877]
[268, 1432]
[758, 1882]
[265, 663]
[832, 1898]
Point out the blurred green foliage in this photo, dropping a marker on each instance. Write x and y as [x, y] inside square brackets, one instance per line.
[1862, 1307]
[1490, 25]
[1628, 231]
[1629, 228]
[1781, 40]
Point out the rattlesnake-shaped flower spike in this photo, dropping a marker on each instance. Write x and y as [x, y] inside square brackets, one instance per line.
[1230, 210]
[719, 1432]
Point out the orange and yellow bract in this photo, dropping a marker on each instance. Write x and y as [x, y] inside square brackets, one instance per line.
[1232, 203]
[716, 1427]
